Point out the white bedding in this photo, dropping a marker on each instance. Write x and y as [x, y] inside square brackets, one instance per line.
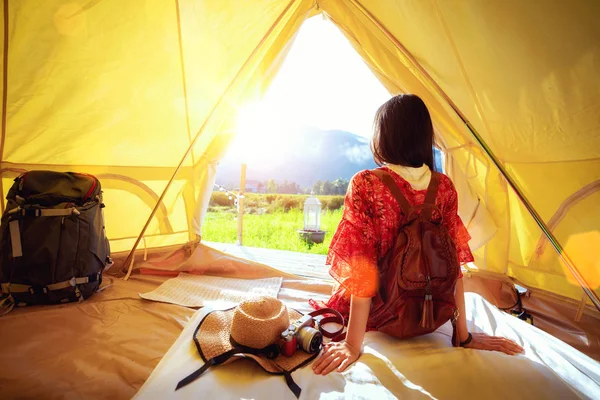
[421, 368]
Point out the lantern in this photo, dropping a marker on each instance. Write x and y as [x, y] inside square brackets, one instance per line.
[312, 214]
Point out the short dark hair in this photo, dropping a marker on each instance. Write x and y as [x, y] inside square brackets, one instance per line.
[403, 133]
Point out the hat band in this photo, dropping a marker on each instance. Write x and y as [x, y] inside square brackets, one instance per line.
[271, 351]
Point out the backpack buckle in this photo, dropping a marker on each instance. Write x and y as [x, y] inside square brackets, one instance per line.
[16, 210]
[37, 289]
[31, 212]
[7, 303]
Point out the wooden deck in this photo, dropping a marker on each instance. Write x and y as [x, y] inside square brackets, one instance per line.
[302, 264]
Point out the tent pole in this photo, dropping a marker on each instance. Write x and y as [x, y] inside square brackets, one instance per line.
[128, 264]
[538, 219]
[580, 308]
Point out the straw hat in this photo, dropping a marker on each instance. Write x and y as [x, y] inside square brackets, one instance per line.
[258, 322]
[255, 323]
[253, 330]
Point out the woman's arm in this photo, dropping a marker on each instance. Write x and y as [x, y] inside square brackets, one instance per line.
[357, 325]
[480, 341]
[461, 324]
[341, 354]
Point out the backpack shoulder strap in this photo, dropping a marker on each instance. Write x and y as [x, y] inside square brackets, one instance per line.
[388, 181]
[432, 190]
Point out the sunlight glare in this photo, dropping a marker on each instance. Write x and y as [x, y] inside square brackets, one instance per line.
[323, 84]
[258, 128]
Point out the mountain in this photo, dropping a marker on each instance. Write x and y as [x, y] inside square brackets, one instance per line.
[303, 158]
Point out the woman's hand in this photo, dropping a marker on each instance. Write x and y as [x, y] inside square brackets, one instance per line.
[335, 355]
[482, 341]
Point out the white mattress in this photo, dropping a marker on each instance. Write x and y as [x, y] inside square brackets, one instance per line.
[420, 368]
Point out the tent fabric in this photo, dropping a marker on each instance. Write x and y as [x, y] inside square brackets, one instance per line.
[123, 90]
[102, 348]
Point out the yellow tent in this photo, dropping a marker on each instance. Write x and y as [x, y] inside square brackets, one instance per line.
[139, 92]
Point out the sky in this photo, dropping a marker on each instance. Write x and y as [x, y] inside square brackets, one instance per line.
[323, 83]
[326, 83]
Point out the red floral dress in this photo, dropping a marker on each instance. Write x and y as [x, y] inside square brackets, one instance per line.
[369, 226]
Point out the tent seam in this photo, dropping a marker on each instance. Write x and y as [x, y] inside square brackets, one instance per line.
[464, 72]
[537, 270]
[183, 75]
[186, 102]
[508, 224]
[4, 98]
[562, 212]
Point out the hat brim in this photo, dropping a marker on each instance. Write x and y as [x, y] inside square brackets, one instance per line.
[213, 338]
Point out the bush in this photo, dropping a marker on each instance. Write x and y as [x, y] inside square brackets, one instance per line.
[270, 198]
[286, 203]
[220, 199]
[252, 201]
[271, 203]
[292, 202]
[335, 203]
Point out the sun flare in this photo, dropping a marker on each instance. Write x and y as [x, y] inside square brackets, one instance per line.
[258, 132]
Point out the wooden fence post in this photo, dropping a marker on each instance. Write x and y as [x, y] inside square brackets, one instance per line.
[240, 220]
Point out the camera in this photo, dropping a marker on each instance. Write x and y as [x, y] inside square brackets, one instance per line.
[301, 334]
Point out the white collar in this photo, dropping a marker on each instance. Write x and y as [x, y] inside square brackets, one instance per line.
[417, 177]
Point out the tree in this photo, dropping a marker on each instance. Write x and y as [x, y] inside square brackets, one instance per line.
[318, 187]
[289, 188]
[284, 187]
[340, 186]
[271, 186]
[327, 187]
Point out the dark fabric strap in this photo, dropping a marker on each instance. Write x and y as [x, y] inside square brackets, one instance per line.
[335, 316]
[221, 358]
[195, 375]
[9, 287]
[388, 181]
[291, 384]
[432, 189]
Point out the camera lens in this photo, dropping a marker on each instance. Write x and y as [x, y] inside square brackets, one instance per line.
[310, 339]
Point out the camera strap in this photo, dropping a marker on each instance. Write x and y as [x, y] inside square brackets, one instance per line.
[331, 315]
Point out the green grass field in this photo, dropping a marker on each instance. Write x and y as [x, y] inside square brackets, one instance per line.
[273, 230]
[271, 221]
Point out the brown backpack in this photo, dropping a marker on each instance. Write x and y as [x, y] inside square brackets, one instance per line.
[417, 277]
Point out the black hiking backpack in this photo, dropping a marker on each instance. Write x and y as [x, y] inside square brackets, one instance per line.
[53, 245]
